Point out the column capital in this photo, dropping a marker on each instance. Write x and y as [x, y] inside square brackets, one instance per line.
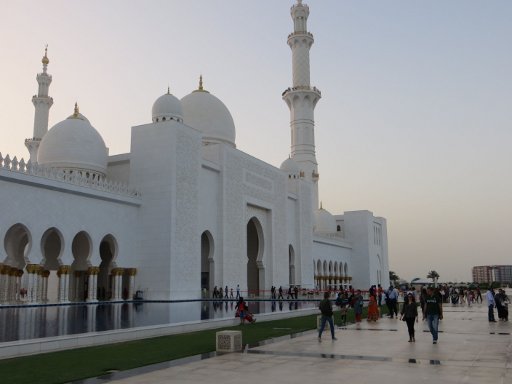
[117, 271]
[130, 271]
[63, 270]
[32, 268]
[93, 270]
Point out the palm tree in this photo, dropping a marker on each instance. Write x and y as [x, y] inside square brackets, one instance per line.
[433, 275]
[393, 277]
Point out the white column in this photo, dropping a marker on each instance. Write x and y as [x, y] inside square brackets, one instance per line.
[119, 279]
[44, 279]
[92, 284]
[63, 274]
[117, 276]
[131, 272]
[66, 290]
[95, 289]
[12, 287]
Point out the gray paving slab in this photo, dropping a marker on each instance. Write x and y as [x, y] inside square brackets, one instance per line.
[470, 350]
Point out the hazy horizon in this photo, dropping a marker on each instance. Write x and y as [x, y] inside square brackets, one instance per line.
[414, 123]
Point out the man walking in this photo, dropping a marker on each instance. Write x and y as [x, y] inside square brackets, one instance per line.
[433, 312]
[326, 309]
[491, 303]
[393, 299]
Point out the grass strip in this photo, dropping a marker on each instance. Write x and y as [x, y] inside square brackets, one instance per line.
[82, 363]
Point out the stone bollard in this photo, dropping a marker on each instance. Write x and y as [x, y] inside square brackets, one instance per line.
[228, 341]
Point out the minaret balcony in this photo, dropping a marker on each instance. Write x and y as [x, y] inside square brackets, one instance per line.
[299, 33]
[302, 88]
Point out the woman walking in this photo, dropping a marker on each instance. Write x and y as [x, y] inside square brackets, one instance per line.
[410, 314]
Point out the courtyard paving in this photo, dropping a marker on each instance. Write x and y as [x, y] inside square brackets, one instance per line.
[470, 350]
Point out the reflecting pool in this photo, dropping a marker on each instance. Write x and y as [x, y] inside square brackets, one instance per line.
[24, 322]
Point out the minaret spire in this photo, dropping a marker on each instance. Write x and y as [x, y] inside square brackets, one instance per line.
[42, 104]
[301, 98]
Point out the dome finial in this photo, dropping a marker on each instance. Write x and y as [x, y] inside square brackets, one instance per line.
[76, 111]
[45, 59]
[321, 205]
[168, 89]
[200, 88]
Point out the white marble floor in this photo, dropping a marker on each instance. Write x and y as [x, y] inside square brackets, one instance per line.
[470, 350]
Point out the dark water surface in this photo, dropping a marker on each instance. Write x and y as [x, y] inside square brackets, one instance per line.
[24, 322]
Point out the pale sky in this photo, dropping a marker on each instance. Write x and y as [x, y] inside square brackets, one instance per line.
[414, 124]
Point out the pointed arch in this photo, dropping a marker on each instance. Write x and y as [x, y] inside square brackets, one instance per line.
[255, 247]
[17, 245]
[291, 265]
[207, 261]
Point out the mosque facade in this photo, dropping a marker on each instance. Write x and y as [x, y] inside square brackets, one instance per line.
[183, 211]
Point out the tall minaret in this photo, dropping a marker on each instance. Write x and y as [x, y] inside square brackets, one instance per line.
[302, 98]
[42, 103]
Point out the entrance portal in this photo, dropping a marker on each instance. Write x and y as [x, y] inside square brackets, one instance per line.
[207, 263]
[254, 255]
[291, 259]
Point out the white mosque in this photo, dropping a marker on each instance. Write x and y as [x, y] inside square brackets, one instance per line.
[183, 211]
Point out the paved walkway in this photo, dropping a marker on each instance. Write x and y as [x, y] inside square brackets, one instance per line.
[470, 350]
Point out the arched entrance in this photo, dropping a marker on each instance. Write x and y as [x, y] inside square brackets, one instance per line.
[17, 243]
[108, 252]
[81, 249]
[207, 263]
[291, 265]
[254, 255]
[52, 245]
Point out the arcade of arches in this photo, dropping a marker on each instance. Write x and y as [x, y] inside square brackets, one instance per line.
[51, 280]
[331, 275]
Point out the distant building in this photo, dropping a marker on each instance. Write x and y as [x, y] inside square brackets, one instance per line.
[490, 273]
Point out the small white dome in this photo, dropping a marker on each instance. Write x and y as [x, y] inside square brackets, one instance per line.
[73, 144]
[205, 112]
[291, 167]
[324, 221]
[167, 107]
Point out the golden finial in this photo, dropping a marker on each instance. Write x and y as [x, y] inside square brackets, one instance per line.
[200, 88]
[45, 59]
[77, 111]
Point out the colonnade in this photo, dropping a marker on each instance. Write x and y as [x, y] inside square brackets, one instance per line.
[325, 283]
[35, 285]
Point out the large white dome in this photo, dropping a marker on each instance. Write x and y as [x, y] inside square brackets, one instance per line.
[167, 107]
[324, 221]
[205, 112]
[73, 144]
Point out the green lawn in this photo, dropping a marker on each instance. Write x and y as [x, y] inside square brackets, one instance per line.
[76, 364]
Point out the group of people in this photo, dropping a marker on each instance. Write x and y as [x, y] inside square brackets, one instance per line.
[499, 300]
[430, 301]
[277, 294]
[431, 304]
[227, 293]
